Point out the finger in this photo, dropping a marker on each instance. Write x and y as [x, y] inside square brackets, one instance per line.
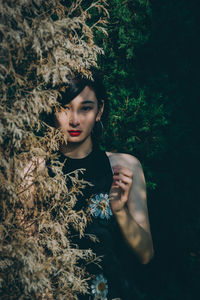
[122, 170]
[123, 178]
[115, 193]
[126, 173]
[122, 185]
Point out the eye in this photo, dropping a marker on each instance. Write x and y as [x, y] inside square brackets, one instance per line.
[66, 107]
[86, 108]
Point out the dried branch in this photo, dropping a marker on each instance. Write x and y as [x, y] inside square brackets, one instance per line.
[43, 43]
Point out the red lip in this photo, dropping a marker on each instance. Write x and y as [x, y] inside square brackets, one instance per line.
[75, 132]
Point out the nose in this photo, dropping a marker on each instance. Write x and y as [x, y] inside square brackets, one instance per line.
[74, 119]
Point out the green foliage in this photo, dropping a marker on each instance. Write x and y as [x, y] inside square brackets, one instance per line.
[161, 76]
[152, 62]
[137, 115]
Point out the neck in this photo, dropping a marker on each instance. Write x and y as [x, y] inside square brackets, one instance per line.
[77, 150]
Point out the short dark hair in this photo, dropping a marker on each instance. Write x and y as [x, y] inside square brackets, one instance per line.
[78, 83]
[74, 87]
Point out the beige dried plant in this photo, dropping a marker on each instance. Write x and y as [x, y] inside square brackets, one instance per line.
[43, 43]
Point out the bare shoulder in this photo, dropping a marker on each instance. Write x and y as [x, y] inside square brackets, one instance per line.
[124, 159]
[36, 166]
[36, 163]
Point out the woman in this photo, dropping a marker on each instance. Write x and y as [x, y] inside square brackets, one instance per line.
[117, 198]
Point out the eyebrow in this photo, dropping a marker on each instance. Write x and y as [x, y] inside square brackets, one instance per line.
[88, 102]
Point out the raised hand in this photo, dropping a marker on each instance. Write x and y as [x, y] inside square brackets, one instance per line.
[120, 189]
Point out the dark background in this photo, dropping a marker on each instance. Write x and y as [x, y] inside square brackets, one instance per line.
[153, 50]
[174, 206]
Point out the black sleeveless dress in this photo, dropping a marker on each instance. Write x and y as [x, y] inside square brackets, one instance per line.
[110, 280]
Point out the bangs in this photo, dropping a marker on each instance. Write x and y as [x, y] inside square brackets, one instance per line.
[69, 92]
[76, 86]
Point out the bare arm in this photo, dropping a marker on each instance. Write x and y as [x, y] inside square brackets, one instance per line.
[129, 205]
[26, 192]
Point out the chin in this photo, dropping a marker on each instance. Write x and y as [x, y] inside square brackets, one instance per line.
[74, 139]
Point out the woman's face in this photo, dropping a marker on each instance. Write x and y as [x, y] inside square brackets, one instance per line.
[78, 118]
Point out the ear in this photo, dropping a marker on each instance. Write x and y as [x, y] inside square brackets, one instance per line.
[100, 111]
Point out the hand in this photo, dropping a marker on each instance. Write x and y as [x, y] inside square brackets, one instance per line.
[120, 189]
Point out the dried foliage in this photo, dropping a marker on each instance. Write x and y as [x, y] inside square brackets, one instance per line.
[42, 44]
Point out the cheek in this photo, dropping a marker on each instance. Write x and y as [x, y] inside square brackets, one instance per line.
[61, 120]
[89, 121]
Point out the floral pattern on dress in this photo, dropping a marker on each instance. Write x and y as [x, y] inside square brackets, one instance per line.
[100, 206]
[99, 288]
